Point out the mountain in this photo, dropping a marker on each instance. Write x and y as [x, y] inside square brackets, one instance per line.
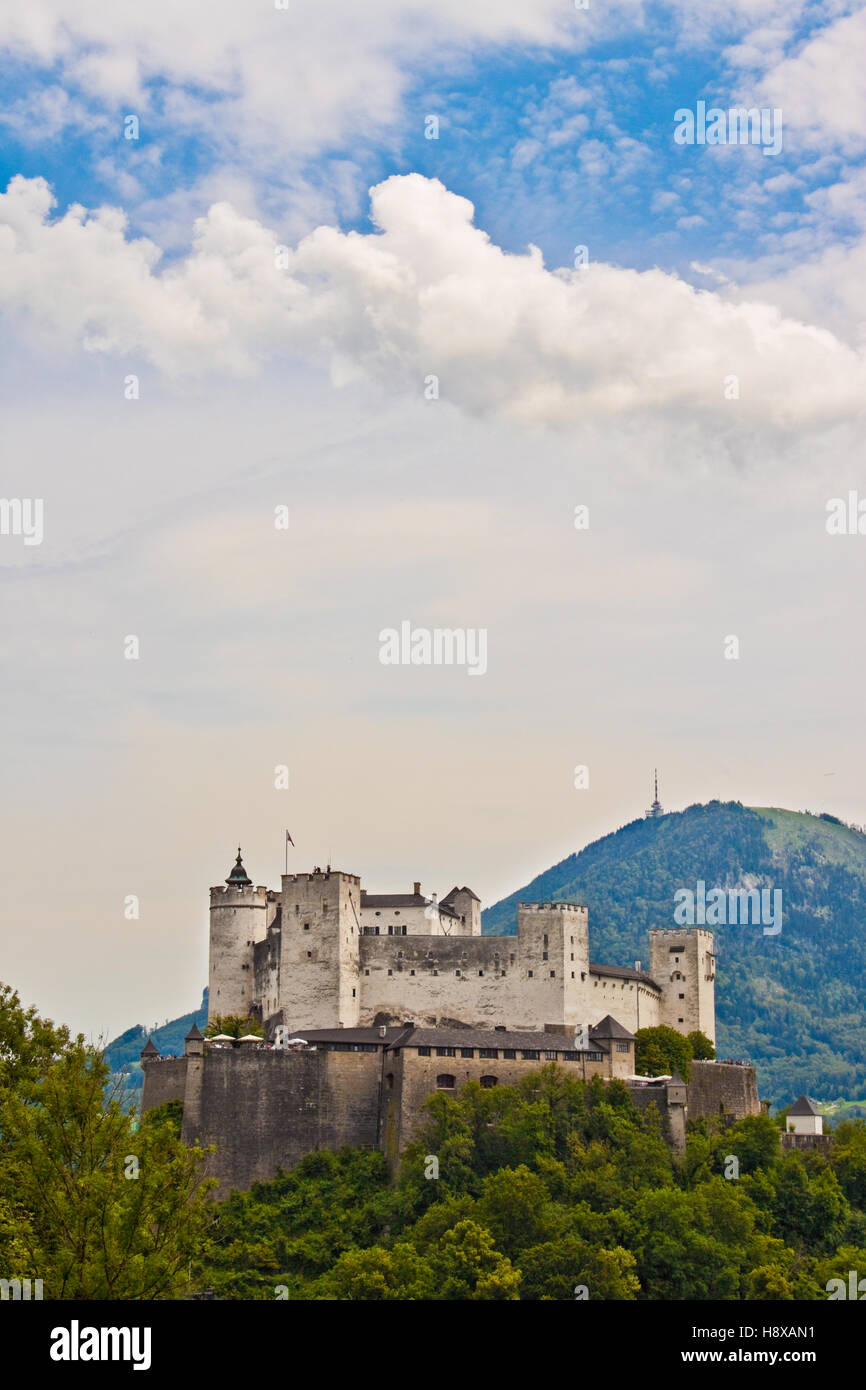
[123, 1053]
[795, 1003]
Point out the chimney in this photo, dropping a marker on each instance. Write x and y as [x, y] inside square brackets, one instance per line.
[417, 889]
[383, 1031]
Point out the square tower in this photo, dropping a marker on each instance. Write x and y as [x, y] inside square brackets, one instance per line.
[319, 931]
[683, 964]
[553, 954]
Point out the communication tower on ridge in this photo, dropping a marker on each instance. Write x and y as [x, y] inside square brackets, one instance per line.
[656, 809]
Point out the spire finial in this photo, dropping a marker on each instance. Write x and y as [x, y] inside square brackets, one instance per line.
[239, 878]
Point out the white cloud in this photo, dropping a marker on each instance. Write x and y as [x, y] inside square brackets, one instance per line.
[428, 294]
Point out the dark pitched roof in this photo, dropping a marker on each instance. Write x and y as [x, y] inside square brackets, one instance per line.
[622, 972]
[403, 900]
[150, 1049]
[804, 1107]
[455, 890]
[194, 1033]
[609, 1028]
[525, 1039]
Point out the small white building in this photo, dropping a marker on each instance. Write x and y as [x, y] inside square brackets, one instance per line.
[804, 1118]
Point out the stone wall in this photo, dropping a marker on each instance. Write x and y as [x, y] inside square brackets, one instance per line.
[265, 1110]
[163, 1081]
[722, 1088]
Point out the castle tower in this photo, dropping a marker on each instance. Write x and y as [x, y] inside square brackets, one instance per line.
[237, 921]
[319, 949]
[553, 955]
[683, 963]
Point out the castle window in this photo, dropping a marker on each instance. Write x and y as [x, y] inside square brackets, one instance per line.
[487, 1052]
[456, 972]
[378, 913]
[297, 908]
[571, 942]
[553, 974]
[399, 955]
[390, 972]
[435, 972]
[529, 973]
[551, 1056]
[353, 994]
[366, 972]
[389, 1081]
[572, 974]
[309, 955]
[583, 974]
[396, 912]
[488, 1082]
[680, 1020]
[545, 938]
[597, 1056]
[509, 1052]
[511, 959]
[445, 1052]
[403, 931]
[572, 955]
[501, 973]
[467, 1052]
[544, 955]
[306, 926]
[623, 1047]
[481, 972]
[531, 1056]
[445, 1081]
[411, 972]
[682, 996]
[423, 1052]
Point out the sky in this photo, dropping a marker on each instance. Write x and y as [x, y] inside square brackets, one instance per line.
[321, 320]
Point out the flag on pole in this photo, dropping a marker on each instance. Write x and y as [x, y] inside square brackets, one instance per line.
[289, 840]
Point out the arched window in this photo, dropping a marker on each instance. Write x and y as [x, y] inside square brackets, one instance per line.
[445, 1081]
[389, 1081]
[489, 1081]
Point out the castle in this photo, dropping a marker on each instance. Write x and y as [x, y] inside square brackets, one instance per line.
[373, 1001]
[322, 953]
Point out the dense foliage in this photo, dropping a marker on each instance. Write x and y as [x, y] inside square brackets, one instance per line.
[793, 1003]
[543, 1190]
[91, 1203]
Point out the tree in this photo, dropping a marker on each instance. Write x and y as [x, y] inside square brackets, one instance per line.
[662, 1050]
[702, 1048]
[234, 1025]
[28, 1043]
[102, 1210]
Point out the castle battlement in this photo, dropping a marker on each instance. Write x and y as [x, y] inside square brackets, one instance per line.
[553, 907]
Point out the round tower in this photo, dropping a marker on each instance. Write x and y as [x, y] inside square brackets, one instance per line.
[237, 921]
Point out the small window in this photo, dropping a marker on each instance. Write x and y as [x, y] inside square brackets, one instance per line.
[309, 955]
[411, 972]
[511, 959]
[680, 1020]
[390, 972]
[445, 1081]
[623, 1047]
[306, 926]
[553, 974]
[445, 1052]
[682, 996]
[467, 1052]
[544, 955]
[509, 1052]
[530, 974]
[572, 974]
[397, 912]
[594, 1056]
[366, 972]
[487, 1052]
[378, 913]
[481, 972]
[551, 1056]
[531, 1056]
[488, 1082]
[456, 972]
[423, 1052]
[353, 994]
[389, 1081]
